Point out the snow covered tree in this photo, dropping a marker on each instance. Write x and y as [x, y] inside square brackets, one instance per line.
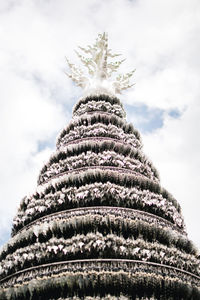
[99, 226]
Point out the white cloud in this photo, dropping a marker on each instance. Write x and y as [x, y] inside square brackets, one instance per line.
[159, 38]
[175, 149]
[28, 115]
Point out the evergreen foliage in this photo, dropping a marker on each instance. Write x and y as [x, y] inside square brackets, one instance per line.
[139, 284]
[101, 106]
[111, 100]
[82, 150]
[99, 225]
[98, 193]
[97, 118]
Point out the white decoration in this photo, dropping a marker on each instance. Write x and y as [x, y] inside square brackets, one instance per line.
[99, 130]
[100, 70]
[126, 248]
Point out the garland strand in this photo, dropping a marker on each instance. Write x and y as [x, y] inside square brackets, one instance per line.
[70, 284]
[96, 194]
[93, 106]
[98, 147]
[88, 159]
[98, 130]
[111, 100]
[67, 225]
[95, 245]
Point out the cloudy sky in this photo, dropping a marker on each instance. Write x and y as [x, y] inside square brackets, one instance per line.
[158, 38]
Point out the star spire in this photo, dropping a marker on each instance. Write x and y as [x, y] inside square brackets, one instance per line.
[100, 69]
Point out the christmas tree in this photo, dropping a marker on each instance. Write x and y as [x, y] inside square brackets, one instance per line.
[99, 225]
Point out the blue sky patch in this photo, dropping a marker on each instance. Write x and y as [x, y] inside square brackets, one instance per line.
[145, 119]
[46, 144]
[174, 113]
[6, 234]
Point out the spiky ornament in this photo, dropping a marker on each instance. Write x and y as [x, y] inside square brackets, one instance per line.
[100, 70]
[99, 225]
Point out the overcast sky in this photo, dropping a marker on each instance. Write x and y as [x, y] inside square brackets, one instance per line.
[158, 38]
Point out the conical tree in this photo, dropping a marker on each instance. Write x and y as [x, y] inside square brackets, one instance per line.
[99, 226]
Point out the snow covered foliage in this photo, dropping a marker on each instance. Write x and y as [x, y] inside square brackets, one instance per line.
[98, 99]
[101, 106]
[107, 297]
[136, 279]
[89, 159]
[99, 225]
[99, 130]
[95, 245]
[120, 221]
[101, 103]
[63, 197]
[99, 125]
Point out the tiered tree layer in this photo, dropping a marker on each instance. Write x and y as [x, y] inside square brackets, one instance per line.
[99, 225]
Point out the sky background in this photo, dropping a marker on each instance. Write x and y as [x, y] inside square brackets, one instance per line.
[158, 38]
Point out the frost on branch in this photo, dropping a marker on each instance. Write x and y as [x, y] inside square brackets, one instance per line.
[100, 69]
